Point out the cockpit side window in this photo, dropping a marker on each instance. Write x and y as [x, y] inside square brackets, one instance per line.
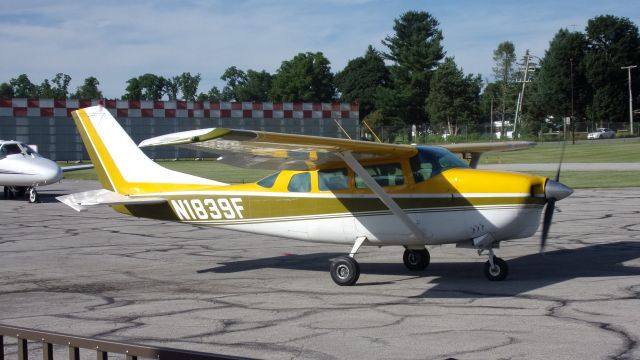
[383, 174]
[300, 183]
[431, 161]
[10, 149]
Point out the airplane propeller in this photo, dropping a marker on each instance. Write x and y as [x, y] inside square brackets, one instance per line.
[554, 190]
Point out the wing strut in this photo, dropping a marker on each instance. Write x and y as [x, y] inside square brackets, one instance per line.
[382, 195]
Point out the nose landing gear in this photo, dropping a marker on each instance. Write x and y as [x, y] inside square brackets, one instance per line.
[495, 269]
[33, 195]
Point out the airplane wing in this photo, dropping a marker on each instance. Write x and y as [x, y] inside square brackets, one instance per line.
[472, 151]
[488, 146]
[76, 167]
[260, 149]
[267, 150]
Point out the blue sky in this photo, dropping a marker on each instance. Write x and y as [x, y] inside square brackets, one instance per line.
[117, 40]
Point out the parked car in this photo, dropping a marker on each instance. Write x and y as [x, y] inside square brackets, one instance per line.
[602, 133]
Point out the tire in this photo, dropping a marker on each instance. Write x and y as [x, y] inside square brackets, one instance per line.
[416, 260]
[345, 270]
[33, 195]
[499, 273]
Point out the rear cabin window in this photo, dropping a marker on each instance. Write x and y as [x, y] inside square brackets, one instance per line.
[300, 183]
[383, 174]
[335, 179]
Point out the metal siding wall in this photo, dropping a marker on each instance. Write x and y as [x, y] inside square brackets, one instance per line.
[47, 123]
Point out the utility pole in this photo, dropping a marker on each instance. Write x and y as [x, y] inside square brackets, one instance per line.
[573, 123]
[491, 122]
[630, 98]
[528, 67]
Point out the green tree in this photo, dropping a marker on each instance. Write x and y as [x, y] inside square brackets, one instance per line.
[306, 77]
[362, 79]
[61, 88]
[23, 87]
[504, 72]
[56, 89]
[213, 95]
[415, 50]
[454, 98]
[88, 90]
[146, 87]
[234, 78]
[45, 90]
[257, 86]
[188, 85]
[6, 91]
[488, 102]
[612, 42]
[561, 68]
[171, 87]
[133, 90]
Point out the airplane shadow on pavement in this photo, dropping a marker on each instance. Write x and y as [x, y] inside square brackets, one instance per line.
[466, 279]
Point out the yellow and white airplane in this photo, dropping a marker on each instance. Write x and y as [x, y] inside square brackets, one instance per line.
[328, 190]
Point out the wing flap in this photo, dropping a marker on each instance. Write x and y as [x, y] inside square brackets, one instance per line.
[79, 201]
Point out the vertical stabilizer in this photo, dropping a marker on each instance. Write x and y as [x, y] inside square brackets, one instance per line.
[121, 166]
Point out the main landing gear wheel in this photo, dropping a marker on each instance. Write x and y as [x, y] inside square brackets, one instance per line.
[497, 271]
[345, 270]
[16, 191]
[33, 195]
[416, 260]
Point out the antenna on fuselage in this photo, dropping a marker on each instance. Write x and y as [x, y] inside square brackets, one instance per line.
[371, 131]
[341, 128]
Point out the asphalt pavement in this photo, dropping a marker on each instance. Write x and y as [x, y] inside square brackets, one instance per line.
[106, 275]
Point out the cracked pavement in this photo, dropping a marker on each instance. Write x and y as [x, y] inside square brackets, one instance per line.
[102, 274]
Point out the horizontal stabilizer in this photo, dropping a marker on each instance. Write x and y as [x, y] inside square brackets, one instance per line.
[78, 201]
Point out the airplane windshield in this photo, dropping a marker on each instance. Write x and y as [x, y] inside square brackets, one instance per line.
[269, 181]
[432, 160]
[28, 149]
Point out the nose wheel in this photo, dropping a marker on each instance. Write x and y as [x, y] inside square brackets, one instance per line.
[495, 269]
[33, 195]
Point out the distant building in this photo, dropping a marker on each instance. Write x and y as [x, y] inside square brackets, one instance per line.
[47, 123]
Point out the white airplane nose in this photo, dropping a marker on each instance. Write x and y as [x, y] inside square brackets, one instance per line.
[47, 171]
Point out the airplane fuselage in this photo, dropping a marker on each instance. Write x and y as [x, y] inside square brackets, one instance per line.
[448, 208]
[21, 166]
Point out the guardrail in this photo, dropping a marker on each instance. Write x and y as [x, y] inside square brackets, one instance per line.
[101, 347]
